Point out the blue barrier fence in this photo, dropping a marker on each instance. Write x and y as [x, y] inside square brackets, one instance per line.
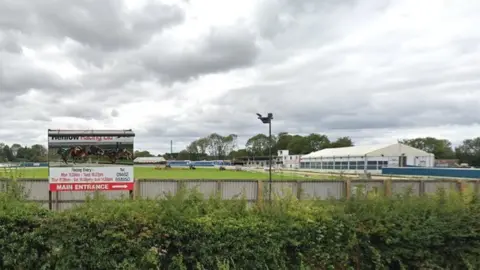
[207, 163]
[435, 172]
[25, 164]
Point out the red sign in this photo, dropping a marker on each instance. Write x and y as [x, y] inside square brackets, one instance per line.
[91, 186]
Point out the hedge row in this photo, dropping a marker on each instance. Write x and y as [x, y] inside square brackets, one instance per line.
[189, 232]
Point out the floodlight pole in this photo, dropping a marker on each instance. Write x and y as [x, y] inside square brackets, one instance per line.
[268, 120]
[270, 154]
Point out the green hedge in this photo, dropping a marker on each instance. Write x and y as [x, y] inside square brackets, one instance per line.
[189, 232]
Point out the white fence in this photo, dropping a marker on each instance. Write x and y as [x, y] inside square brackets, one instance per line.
[251, 190]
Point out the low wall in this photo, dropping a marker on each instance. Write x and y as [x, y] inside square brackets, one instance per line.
[251, 190]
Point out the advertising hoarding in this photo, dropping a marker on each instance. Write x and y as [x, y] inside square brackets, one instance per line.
[90, 160]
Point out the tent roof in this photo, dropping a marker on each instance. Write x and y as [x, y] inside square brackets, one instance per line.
[368, 150]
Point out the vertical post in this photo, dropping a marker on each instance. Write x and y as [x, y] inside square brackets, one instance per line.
[299, 190]
[348, 189]
[365, 164]
[136, 189]
[461, 186]
[218, 192]
[270, 167]
[387, 184]
[57, 207]
[422, 188]
[171, 149]
[259, 192]
[50, 206]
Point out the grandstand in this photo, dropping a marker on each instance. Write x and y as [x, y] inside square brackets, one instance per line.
[201, 163]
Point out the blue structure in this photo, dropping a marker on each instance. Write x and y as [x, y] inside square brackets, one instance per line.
[25, 165]
[434, 172]
[179, 163]
[203, 163]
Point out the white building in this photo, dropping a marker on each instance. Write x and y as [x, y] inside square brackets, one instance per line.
[366, 158]
[289, 161]
[149, 160]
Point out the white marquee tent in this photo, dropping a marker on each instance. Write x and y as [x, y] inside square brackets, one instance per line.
[367, 158]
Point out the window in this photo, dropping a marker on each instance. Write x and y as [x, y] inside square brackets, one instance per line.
[337, 165]
[382, 164]
[353, 165]
[329, 165]
[371, 165]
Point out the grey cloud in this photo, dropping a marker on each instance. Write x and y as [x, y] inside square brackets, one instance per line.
[319, 66]
[99, 24]
[17, 76]
[43, 106]
[395, 106]
[114, 113]
[9, 44]
[222, 50]
[80, 111]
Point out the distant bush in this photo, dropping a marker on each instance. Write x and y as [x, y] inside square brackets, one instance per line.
[186, 231]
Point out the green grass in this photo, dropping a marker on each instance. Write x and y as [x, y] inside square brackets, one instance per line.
[175, 173]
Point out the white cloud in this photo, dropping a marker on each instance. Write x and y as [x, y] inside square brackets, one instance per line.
[175, 70]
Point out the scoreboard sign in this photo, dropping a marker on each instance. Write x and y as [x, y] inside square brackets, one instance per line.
[88, 160]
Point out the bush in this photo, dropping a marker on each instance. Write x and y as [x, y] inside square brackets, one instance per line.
[187, 231]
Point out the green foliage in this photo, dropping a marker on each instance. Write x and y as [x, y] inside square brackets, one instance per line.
[188, 231]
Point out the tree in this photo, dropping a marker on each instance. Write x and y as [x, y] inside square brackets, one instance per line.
[283, 139]
[212, 146]
[3, 156]
[235, 154]
[183, 155]
[143, 154]
[198, 149]
[8, 153]
[441, 148]
[220, 146]
[342, 142]
[295, 144]
[23, 153]
[299, 145]
[38, 153]
[317, 142]
[469, 151]
[258, 145]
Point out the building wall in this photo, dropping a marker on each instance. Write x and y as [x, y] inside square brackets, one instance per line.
[262, 163]
[362, 164]
[289, 161]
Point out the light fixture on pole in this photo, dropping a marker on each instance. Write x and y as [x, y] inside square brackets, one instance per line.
[268, 120]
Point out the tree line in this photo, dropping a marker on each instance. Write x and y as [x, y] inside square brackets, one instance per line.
[19, 153]
[216, 146]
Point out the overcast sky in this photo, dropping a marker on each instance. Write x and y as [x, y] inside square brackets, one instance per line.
[374, 70]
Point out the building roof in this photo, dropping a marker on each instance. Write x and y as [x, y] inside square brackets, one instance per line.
[396, 149]
[149, 159]
[90, 132]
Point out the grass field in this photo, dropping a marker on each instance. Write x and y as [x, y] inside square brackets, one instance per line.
[175, 173]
